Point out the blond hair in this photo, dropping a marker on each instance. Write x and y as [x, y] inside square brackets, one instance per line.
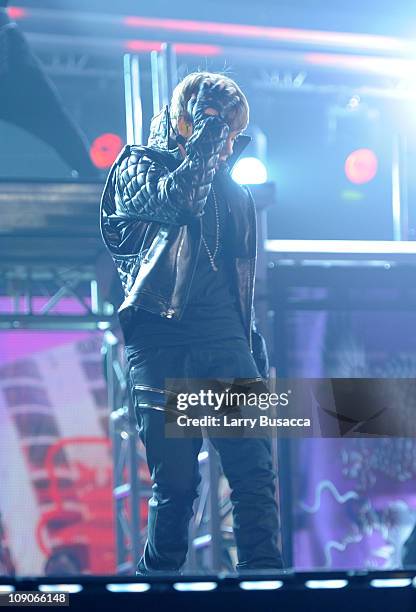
[237, 119]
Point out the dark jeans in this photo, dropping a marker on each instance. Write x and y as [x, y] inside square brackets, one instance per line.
[173, 463]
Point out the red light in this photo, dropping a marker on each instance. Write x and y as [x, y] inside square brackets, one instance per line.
[143, 45]
[361, 166]
[195, 49]
[296, 35]
[215, 27]
[105, 149]
[16, 12]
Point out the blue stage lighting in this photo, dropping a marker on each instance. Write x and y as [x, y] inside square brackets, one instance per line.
[249, 171]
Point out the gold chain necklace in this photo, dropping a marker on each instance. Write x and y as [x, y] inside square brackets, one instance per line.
[212, 256]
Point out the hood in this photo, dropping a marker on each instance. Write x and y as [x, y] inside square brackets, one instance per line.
[160, 128]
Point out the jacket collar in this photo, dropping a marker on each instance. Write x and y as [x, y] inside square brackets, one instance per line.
[159, 138]
[160, 128]
[240, 143]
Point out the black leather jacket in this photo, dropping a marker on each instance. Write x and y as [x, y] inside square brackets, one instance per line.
[150, 220]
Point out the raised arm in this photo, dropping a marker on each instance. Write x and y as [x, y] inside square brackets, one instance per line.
[148, 191]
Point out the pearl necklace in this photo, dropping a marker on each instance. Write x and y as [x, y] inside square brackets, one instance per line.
[212, 256]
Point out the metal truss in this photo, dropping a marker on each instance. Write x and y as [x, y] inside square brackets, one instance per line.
[52, 256]
[36, 297]
[128, 458]
[70, 63]
[210, 538]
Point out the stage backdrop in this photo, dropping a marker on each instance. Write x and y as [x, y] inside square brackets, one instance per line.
[55, 457]
[354, 501]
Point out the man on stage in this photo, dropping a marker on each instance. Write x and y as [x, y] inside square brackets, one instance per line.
[182, 234]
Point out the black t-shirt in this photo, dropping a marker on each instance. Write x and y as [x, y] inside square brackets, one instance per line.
[211, 313]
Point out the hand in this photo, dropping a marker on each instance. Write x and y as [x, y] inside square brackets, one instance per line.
[210, 100]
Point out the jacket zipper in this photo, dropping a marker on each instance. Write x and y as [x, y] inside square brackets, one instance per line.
[168, 314]
[149, 388]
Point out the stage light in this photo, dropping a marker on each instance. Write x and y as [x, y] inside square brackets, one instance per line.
[60, 588]
[16, 12]
[129, 587]
[362, 247]
[260, 585]
[145, 46]
[383, 583]
[361, 166]
[197, 49]
[194, 586]
[353, 103]
[105, 149]
[249, 171]
[303, 37]
[326, 584]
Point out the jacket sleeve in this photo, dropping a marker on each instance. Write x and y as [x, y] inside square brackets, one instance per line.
[259, 349]
[146, 190]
